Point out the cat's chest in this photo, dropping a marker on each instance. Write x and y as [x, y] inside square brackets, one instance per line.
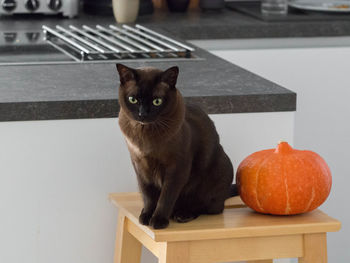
[134, 148]
[147, 164]
[150, 170]
[142, 148]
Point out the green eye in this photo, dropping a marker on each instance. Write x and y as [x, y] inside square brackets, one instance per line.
[157, 101]
[132, 100]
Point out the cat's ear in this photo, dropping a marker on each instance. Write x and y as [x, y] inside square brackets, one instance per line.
[170, 76]
[125, 73]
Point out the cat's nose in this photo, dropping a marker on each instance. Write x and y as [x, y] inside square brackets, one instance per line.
[142, 112]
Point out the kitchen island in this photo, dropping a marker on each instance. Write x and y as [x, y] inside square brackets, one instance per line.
[62, 151]
[70, 91]
[74, 91]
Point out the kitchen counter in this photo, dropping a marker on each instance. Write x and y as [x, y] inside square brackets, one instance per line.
[90, 90]
[230, 24]
[225, 24]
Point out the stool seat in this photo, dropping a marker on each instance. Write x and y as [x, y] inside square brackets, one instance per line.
[237, 234]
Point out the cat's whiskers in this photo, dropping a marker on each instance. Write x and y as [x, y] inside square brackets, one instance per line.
[163, 125]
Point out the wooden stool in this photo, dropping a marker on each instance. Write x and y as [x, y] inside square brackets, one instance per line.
[239, 234]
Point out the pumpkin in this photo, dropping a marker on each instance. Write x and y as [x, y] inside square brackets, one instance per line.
[284, 181]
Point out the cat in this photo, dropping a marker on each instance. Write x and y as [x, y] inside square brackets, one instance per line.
[182, 170]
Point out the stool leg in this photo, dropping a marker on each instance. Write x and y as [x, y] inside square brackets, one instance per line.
[127, 247]
[315, 248]
[174, 252]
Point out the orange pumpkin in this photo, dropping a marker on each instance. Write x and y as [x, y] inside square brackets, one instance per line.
[284, 181]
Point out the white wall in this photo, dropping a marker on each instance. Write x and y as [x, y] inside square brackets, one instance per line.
[320, 76]
[55, 177]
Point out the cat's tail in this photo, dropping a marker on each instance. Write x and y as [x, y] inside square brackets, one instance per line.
[234, 190]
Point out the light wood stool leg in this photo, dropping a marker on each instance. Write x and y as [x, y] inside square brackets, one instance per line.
[174, 252]
[127, 247]
[315, 248]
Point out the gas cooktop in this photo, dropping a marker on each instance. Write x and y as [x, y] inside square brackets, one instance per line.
[99, 44]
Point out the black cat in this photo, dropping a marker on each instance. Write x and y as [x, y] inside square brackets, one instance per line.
[182, 169]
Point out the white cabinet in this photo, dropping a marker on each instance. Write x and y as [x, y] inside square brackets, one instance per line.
[320, 77]
[55, 177]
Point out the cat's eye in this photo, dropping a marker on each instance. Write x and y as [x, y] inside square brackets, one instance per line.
[157, 102]
[132, 100]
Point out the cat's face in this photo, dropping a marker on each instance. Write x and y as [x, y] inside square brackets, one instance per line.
[147, 94]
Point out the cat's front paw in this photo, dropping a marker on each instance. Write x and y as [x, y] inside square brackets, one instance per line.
[184, 216]
[145, 217]
[158, 222]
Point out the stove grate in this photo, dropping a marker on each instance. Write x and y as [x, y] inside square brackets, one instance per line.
[114, 42]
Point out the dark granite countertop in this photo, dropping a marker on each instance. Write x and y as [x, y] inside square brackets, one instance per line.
[195, 24]
[230, 24]
[90, 90]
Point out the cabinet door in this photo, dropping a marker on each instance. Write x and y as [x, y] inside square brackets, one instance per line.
[320, 77]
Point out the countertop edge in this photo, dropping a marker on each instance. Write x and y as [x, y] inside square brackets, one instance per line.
[109, 108]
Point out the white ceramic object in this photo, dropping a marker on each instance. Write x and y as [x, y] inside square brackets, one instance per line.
[126, 11]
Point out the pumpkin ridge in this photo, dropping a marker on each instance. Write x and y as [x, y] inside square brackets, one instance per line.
[321, 170]
[257, 181]
[288, 208]
[324, 169]
[313, 193]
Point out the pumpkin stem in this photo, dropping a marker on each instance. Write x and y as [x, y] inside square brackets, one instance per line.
[283, 147]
